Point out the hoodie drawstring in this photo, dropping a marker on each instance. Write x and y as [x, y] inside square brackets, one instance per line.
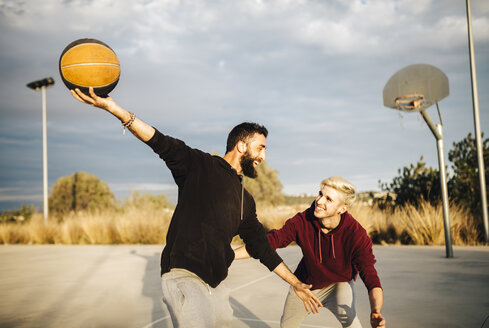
[332, 246]
[320, 255]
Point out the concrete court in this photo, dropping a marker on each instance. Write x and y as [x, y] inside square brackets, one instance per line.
[118, 286]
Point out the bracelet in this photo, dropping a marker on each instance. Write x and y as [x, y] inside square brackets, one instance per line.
[128, 123]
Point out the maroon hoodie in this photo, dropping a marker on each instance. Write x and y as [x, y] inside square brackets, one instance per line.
[328, 258]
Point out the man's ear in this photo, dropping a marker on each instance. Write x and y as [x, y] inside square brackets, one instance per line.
[343, 209]
[241, 146]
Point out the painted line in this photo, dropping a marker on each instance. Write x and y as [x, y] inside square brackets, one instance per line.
[149, 325]
[241, 319]
[271, 274]
[278, 322]
[254, 281]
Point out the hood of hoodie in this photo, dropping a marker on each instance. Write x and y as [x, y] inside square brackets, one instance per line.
[329, 237]
[315, 221]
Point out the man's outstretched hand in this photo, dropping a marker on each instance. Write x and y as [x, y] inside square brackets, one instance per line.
[140, 129]
[93, 99]
[311, 302]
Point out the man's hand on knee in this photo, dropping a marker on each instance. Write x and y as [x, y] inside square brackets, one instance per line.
[311, 302]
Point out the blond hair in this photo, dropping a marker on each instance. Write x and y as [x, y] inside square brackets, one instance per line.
[346, 189]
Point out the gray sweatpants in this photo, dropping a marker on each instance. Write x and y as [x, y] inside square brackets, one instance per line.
[339, 298]
[194, 304]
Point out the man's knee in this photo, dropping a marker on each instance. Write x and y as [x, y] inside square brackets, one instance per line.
[345, 314]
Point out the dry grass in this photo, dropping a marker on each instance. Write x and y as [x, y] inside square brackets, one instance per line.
[423, 226]
[417, 226]
[133, 226]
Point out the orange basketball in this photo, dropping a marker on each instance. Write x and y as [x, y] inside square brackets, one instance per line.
[88, 63]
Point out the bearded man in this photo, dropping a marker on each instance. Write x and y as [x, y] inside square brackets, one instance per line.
[212, 208]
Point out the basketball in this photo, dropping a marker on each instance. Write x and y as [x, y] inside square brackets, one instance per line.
[88, 63]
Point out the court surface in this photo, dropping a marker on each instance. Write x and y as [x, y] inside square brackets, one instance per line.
[119, 286]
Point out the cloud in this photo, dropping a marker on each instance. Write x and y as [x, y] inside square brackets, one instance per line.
[21, 194]
[311, 71]
[143, 186]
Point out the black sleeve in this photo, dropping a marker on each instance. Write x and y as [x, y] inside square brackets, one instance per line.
[255, 238]
[175, 153]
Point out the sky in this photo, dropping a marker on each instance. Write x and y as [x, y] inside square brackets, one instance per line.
[311, 71]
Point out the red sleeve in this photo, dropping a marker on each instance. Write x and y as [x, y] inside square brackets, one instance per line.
[282, 237]
[364, 260]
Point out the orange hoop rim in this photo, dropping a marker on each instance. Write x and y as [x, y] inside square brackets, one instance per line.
[410, 102]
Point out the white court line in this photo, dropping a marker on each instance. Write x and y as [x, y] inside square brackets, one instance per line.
[278, 322]
[149, 325]
[252, 282]
[271, 274]
[242, 319]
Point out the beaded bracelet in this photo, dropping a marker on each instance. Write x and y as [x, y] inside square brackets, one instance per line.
[128, 123]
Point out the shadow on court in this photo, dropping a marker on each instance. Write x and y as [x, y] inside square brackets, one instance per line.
[119, 286]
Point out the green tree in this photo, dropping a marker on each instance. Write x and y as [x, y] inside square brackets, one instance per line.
[80, 192]
[266, 188]
[415, 183]
[464, 187]
[147, 201]
[23, 214]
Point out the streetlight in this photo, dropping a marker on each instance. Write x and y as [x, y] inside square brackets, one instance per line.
[36, 85]
[477, 125]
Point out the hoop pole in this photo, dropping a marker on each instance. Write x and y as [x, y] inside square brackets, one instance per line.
[438, 133]
[475, 103]
[44, 156]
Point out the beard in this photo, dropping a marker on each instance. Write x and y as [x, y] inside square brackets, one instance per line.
[247, 166]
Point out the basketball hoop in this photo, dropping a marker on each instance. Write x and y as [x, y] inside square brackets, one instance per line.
[413, 89]
[411, 102]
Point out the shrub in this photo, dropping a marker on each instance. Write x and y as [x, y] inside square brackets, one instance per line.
[266, 188]
[80, 192]
[18, 215]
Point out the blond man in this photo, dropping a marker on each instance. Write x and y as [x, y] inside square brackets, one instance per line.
[335, 249]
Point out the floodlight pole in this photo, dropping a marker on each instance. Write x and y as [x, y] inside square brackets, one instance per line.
[438, 133]
[477, 124]
[36, 85]
[44, 155]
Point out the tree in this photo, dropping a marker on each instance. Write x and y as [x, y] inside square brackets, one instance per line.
[464, 187]
[414, 184]
[147, 201]
[266, 188]
[23, 214]
[80, 192]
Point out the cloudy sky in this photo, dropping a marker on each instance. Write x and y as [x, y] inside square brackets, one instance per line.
[311, 71]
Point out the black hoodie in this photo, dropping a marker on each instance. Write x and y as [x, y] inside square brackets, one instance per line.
[212, 208]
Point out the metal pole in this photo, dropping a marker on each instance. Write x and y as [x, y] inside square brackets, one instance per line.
[44, 155]
[444, 193]
[438, 133]
[475, 102]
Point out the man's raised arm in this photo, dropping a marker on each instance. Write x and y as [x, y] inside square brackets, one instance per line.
[140, 129]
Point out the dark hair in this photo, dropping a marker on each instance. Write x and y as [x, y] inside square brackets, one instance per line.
[242, 132]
